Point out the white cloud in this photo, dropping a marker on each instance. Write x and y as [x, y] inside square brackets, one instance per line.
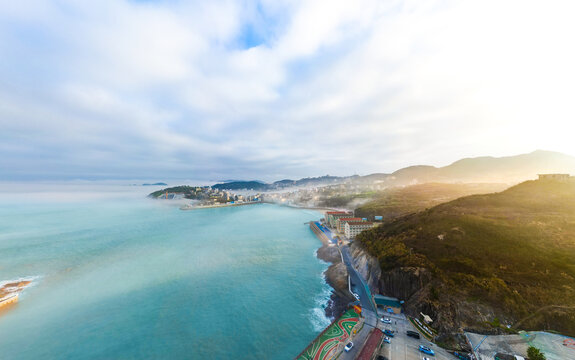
[140, 89]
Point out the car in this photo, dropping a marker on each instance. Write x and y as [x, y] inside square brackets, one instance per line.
[426, 350]
[387, 340]
[356, 296]
[386, 320]
[425, 358]
[388, 333]
[381, 357]
[348, 347]
[413, 334]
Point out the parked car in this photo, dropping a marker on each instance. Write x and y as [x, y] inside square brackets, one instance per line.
[413, 334]
[348, 346]
[426, 350]
[425, 358]
[387, 340]
[388, 333]
[386, 320]
[356, 296]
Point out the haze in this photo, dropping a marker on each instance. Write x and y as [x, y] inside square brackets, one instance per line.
[268, 90]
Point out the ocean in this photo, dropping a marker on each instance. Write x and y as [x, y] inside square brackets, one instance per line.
[119, 276]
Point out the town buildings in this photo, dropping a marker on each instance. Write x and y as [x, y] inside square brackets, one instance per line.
[332, 216]
[340, 223]
[352, 228]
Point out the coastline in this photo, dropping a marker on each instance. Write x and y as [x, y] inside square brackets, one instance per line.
[336, 277]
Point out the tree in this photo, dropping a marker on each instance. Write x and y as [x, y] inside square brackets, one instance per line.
[535, 354]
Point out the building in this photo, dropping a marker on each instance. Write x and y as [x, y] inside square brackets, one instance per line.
[352, 228]
[387, 304]
[332, 216]
[340, 223]
[554, 177]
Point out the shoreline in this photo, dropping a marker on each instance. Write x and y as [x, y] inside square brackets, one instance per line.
[336, 277]
[200, 207]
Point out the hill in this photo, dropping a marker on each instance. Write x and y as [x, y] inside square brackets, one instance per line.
[509, 169]
[482, 261]
[398, 201]
[241, 185]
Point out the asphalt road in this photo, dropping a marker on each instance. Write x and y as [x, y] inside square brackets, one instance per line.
[403, 347]
[357, 280]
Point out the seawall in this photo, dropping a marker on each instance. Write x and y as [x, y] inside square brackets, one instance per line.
[335, 275]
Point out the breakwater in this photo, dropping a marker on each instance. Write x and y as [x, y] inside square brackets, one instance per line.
[315, 227]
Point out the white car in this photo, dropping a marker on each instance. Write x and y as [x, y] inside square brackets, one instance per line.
[348, 346]
[425, 358]
[356, 296]
[386, 320]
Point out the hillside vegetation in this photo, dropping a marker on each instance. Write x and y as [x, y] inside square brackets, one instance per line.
[482, 261]
[398, 201]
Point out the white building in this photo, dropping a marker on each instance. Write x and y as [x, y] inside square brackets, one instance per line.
[352, 228]
[340, 223]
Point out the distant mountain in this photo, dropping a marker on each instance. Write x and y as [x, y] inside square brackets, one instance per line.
[156, 184]
[260, 186]
[484, 261]
[510, 169]
[241, 185]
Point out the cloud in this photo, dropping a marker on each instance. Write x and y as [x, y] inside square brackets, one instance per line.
[274, 89]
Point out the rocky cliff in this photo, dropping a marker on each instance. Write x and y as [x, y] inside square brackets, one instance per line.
[336, 277]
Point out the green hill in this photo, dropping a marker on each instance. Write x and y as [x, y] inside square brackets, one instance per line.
[398, 201]
[485, 260]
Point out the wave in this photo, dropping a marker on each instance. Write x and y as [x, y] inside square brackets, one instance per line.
[318, 319]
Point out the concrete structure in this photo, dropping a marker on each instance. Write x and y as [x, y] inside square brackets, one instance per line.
[332, 216]
[340, 223]
[386, 302]
[554, 346]
[554, 177]
[352, 228]
[322, 232]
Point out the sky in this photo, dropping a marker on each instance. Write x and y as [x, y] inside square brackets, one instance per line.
[273, 89]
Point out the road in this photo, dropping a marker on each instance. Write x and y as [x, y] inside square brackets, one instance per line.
[402, 347]
[360, 286]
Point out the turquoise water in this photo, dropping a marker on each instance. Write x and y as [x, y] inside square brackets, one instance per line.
[129, 278]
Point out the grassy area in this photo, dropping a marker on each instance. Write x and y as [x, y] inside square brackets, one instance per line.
[395, 202]
[512, 251]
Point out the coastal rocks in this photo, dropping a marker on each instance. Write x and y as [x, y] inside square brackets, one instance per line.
[336, 277]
